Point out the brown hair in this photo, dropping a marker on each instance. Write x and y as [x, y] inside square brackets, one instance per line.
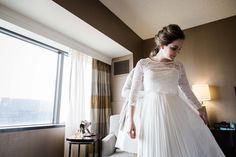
[166, 36]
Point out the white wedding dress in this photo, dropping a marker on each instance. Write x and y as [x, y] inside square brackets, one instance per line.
[170, 124]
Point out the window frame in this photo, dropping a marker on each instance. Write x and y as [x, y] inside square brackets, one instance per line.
[58, 84]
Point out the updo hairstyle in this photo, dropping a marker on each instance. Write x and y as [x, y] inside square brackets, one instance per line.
[166, 36]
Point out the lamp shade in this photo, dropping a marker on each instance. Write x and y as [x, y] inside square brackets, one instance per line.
[201, 91]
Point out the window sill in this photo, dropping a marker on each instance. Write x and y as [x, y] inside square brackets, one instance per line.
[32, 127]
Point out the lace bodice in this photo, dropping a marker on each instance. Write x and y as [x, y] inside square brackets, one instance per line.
[161, 77]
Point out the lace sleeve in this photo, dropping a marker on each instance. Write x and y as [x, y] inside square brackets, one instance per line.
[137, 83]
[185, 88]
[126, 88]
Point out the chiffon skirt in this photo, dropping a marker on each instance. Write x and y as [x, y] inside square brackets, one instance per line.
[171, 128]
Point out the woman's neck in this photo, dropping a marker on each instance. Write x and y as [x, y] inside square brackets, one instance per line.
[160, 58]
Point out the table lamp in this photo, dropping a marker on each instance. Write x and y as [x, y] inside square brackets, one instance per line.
[202, 93]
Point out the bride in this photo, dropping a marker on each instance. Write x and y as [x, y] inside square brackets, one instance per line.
[169, 126]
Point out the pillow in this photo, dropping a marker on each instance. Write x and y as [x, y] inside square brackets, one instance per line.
[108, 145]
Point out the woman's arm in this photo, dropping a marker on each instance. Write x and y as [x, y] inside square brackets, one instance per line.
[125, 93]
[133, 96]
[132, 130]
[185, 88]
[189, 95]
[126, 88]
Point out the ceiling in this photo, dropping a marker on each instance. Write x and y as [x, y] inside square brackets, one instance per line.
[146, 17]
[53, 16]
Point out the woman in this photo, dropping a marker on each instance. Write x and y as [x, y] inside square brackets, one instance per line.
[169, 126]
[124, 142]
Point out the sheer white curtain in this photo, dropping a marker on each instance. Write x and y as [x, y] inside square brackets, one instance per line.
[79, 94]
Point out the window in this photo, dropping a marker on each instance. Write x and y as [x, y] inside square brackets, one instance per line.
[30, 82]
[65, 89]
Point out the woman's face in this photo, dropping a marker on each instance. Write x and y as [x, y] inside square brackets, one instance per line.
[171, 50]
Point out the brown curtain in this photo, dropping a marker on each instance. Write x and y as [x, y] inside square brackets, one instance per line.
[101, 97]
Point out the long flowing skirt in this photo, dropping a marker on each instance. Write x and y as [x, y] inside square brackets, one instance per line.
[171, 128]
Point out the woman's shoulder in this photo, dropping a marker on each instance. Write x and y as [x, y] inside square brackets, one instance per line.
[178, 63]
[143, 61]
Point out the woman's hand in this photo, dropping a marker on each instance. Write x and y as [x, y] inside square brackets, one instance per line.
[132, 131]
[203, 114]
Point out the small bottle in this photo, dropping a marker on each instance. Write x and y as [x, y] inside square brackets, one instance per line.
[78, 134]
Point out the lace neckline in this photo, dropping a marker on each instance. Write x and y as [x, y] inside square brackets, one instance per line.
[161, 61]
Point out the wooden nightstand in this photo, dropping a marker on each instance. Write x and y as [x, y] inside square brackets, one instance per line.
[226, 140]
